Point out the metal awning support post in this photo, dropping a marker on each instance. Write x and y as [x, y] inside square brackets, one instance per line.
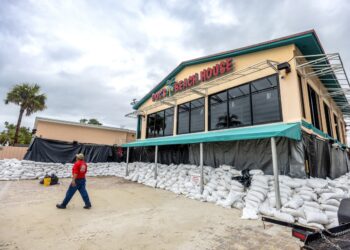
[127, 161]
[275, 173]
[201, 165]
[155, 163]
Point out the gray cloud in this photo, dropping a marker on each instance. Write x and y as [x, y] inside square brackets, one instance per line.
[92, 58]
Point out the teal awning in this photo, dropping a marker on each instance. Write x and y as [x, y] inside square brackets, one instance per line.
[289, 130]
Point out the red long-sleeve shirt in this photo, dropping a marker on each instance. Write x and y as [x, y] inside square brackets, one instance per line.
[79, 168]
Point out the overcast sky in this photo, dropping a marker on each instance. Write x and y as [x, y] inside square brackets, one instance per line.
[91, 58]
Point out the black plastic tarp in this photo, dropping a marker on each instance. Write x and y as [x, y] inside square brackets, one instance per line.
[170, 154]
[45, 150]
[321, 159]
[251, 154]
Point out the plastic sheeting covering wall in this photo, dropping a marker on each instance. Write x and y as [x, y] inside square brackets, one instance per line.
[324, 160]
[44, 150]
[254, 154]
[175, 154]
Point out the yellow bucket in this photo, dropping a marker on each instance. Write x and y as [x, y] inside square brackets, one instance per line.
[47, 181]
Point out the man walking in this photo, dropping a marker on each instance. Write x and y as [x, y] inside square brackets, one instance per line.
[78, 183]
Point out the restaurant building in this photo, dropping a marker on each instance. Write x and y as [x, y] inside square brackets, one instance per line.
[279, 106]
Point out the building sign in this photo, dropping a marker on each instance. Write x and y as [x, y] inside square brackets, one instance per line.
[172, 87]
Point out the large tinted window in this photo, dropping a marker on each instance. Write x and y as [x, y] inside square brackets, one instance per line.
[265, 100]
[197, 115]
[169, 121]
[218, 110]
[183, 119]
[160, 123]
[239, 106]
[328, 119]
[191, 117]
[314, 107]
[252, 103]
[139, 124]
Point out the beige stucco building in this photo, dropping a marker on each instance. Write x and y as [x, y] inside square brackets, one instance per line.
[82, 133]
[252, 93]
[293, 91]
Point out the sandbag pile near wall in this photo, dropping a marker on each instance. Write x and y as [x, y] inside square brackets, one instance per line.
[312, 202]
[12, 169]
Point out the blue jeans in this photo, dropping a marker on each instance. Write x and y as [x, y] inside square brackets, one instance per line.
[80, 186]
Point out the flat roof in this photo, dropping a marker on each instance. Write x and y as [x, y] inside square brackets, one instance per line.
[43, 119]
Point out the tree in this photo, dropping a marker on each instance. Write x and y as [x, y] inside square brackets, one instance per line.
[83, 120]
[8, 135]
[29, 100]
[91, 121]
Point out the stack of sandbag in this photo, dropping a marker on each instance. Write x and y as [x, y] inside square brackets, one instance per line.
[256, 195]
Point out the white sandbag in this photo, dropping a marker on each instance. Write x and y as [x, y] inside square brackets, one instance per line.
[337, 196]
[212, 199]
[237, 189]
[249, 213]
[238, 205]
[290, 182]
[304, 222]
[331, 215]
[256, 194]
[259, 189]
[252, 198]
[251, 203]
[329, 208]
[313, 216]
[316, 183]
[303, 188]
[323, 190]
[333, 223]
[312, 204]
[284, 217]
[256, 172]
[232, 197]
[332, 202]
[294, 203]
[264, 209]
[236, 183]
[294, 212]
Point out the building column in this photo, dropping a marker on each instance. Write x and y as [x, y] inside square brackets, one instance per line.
[275, 173]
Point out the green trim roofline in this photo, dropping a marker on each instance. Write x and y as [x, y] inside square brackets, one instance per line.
[320, 132]
[307, 42]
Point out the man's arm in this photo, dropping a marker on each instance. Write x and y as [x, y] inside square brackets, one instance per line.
[73, 179]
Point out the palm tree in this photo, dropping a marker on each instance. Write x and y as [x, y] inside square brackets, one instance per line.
[28, 98]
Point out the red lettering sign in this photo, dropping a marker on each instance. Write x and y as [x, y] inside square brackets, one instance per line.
[205, 75]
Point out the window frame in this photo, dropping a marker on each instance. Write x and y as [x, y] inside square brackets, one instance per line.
[336, 125]
[251, 104]
[329, 120]
[164, 116]
[319, 118]
[190, 116]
